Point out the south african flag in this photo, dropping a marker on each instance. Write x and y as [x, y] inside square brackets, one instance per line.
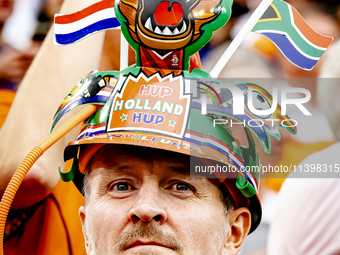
[285, 27]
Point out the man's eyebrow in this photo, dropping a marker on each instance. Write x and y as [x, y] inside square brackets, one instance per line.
[113, 168]
[185, 170]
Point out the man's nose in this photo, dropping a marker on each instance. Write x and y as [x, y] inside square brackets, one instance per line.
[148, 207]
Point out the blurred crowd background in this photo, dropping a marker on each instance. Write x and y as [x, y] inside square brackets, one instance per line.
[24, 25]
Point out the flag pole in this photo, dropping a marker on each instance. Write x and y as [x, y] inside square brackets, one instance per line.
[251, 22]
[124, 52]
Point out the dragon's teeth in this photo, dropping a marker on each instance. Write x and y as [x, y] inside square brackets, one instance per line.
[158, 31]
[167, 31]
[184, 28]
[148, 24]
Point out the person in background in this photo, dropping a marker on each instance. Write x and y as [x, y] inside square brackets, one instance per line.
[6, 8]
[17, 50]
[44, 218]
[311, 224]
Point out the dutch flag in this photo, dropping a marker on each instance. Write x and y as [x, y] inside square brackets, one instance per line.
[70, 28]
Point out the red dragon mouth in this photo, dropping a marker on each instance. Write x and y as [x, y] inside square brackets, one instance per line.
[168, 15]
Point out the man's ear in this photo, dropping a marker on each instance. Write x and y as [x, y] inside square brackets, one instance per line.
[239, 223]
[82, 215]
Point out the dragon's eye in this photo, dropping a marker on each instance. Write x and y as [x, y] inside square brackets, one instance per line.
[260, 103]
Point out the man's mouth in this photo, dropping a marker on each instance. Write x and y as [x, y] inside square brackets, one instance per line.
[149, 237]
[138, 243]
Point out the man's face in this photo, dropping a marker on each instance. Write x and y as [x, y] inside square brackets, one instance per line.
[143, 201]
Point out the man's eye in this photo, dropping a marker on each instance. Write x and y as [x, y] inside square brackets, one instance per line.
[121, 187]
[181, 186]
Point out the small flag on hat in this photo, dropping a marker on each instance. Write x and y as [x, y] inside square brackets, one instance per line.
[70, 28]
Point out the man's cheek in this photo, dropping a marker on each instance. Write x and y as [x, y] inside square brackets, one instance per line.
[110, 217]
[197, 226]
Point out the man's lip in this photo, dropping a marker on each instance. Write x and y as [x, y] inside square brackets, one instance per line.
[142, 243]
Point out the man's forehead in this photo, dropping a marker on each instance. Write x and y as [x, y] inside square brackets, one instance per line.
[119, 159]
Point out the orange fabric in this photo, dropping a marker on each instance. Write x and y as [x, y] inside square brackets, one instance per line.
[6, 99]
[293, 152]
[55, 227]
[49, 229]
